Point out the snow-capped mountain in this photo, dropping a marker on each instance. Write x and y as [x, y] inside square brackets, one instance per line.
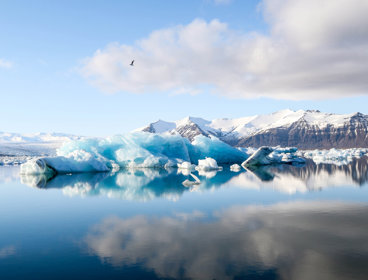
[303, 129]
[17, 144]
[7, 137]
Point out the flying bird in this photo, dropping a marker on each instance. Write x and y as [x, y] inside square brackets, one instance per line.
[132, 63]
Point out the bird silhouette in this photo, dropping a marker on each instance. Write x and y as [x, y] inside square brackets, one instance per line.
[132, 63]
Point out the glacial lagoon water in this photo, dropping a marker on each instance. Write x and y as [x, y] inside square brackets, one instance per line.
[277, 222]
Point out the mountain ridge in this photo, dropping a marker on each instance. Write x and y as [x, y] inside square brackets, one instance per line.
[305, 129]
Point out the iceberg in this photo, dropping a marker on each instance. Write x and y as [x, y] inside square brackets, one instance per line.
[186, 165]
[267, 155]
[259, 157]
[148, 150]
[235, 167]
[207, 164]
[134, 150]
[285, 155]
[212, 147]
[185, 168]
[334, 156]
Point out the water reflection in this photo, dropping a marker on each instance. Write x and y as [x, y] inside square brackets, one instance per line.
[297, 240]
[357, 170]
[138, 184]
[311, 177]
[7, 251]
[147, 184]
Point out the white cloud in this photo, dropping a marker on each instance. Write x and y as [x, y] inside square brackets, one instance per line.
[316, 49]
[5, 63]
[221, 2]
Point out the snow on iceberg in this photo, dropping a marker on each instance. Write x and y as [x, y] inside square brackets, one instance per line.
[135, 150]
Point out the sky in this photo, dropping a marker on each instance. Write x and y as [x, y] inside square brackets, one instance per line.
[64, 65]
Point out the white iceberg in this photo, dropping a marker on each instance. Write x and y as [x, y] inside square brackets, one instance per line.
[185, 168]
[207, 164]
[334, 156]
[235, 167]
[259, 157]
[186, 165]
[276, 155]
[285, 155]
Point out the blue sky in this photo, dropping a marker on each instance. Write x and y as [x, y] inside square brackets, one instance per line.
[51, 78]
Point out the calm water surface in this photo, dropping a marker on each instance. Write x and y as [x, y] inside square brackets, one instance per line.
[279, 222]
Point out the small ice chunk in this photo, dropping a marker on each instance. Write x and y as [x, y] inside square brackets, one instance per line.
[185, 168]
[235, 168]
[186, 165]
[207, 164]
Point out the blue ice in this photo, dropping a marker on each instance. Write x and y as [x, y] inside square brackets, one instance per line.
[134, 150]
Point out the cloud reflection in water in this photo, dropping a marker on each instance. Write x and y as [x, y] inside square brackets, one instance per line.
[297, 240]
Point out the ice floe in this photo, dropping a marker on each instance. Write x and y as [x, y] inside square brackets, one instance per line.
[334, 156]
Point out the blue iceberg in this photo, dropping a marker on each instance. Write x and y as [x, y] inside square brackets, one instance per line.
[134, 150]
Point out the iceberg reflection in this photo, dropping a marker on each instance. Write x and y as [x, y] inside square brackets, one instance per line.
[311, 177]
[296, 240]
[147, 183]
[130, 184]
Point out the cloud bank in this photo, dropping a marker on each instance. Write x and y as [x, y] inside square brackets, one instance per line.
[314, 50]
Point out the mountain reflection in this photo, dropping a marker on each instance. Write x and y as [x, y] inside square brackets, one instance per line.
[297, 240]
[147, 184]
[357, 170]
